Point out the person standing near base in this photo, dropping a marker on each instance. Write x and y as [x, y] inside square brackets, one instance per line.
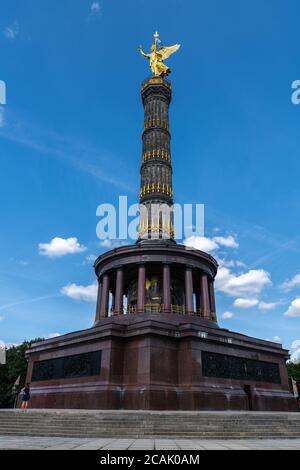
[25, 396]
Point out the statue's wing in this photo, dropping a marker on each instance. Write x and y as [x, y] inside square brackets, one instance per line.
[165, 52]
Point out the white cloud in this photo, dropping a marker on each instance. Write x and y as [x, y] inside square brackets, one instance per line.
[268, 305]
[275, 339]
[228, 242]
[2, 116]
[90, 259]
[226, 263]
[230, 263]
[53, 335]
[295, 344]
[295, 351]
[205, 244]
[294, 308]
[96, 9]
[243, 285]
[288, 285]
[106, 243]
[227, 315]
[245, 303]
[2, 318]
[8, 345]
[77, 292]
[60, 247]
[240, 264]
[12, 31]
[23, 262]
[249, 303]
[210, 245]
[111, 244]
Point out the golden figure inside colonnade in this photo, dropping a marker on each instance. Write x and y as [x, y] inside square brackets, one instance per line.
[157, 56]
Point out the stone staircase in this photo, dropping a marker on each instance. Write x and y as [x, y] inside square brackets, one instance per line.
[149, 424]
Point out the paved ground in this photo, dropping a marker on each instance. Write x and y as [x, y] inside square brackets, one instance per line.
[58, 443]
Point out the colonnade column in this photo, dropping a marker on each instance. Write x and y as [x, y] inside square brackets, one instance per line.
[189, 303]
[98, 301]
[118, 307]
[104, 296]
[205, 307]
[212, 300]
[167, 288]
[198, 303]
[141, 288]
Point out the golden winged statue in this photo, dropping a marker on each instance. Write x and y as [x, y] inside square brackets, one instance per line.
[157, 56]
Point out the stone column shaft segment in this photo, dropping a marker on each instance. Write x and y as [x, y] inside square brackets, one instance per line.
[189, 301]
[205, 304]
[98, 306]
[104, 296]
[141, 288]
[167, 288]
[118, 310]
[212, 299]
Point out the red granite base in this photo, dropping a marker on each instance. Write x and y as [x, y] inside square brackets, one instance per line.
[154, 362]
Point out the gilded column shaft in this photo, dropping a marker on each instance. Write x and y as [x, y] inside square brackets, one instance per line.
[156, 170]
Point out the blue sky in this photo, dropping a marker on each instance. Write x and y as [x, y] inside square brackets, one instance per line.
[70, 139]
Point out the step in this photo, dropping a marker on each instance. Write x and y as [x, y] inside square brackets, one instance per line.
[162, 436]
[93, 424]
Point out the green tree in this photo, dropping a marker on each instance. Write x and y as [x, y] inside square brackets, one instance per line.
[16, 366]
[294, 371]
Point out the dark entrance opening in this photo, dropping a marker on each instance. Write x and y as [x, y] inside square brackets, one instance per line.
[248, 391]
